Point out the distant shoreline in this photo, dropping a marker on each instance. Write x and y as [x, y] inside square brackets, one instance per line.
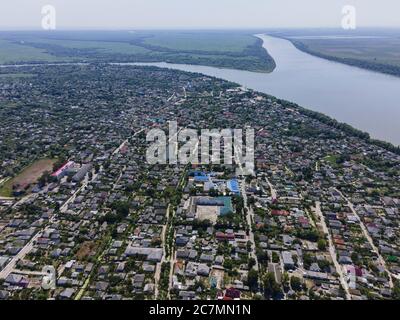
[366, 65]
[232, 50]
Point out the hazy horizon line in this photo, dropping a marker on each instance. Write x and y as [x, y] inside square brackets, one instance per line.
[189, 28]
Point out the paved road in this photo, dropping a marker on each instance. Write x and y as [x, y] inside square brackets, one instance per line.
[7, 198]
[24, 251]
[250, 213]
[25, 199]
[332, 250]
[368, 237]
[249, 220]
[317, 166]
[20, 255]
[171, 273]
[64, 207]
[164, 235]
[29, 246]
[85, 183]
[274, 194]
[172, 254]
[89, 278]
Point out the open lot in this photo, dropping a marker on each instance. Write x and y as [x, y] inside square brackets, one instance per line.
[207, 213]
[87, 249]
[27, 176]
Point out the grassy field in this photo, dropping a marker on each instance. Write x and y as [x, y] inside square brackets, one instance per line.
[86, 250]
[11, 52]
[379, 50]
[236, 50]
[28, 176]
[202, 42]
[332, 160]
[91, 46]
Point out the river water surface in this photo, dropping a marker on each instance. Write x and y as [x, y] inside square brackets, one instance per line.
[367, 100]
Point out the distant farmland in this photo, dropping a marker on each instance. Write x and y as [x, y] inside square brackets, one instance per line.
[27, 177]
[225, 49]
[379, 53]
[13, 52]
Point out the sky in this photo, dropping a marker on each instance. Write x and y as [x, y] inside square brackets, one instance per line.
[196, 14]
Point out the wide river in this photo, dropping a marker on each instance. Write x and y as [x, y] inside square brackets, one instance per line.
[367, 100]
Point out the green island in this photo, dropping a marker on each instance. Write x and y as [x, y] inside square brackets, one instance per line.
[222, 49]
[375, 50]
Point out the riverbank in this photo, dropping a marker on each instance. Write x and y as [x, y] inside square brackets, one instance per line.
[238, 50]
[363, 99]
[363, 64]
[355, 98]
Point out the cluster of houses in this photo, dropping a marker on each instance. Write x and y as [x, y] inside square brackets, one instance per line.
[318, 220]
